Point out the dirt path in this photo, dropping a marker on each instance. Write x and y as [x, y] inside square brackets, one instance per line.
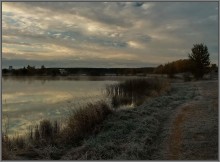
[194, 130]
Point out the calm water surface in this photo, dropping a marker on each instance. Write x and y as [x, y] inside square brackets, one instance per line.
[27, 100]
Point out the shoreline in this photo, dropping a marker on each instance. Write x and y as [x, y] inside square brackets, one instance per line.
[140, 125]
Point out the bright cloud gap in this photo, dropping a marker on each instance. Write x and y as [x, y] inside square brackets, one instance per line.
[105, 34]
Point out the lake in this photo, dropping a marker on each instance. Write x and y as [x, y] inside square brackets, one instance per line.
[27, 100]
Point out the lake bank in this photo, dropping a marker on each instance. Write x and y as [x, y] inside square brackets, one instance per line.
[149, 132]
[130, 134]
[133, 134]
[83, 117]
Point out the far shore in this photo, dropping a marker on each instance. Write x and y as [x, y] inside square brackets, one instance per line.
[80, 77]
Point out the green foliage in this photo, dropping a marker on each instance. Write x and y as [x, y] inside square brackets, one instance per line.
[200, 60]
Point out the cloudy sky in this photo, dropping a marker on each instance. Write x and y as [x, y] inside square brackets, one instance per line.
[105, 34]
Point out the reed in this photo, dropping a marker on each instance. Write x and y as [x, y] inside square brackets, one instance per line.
[82, 121]
[134, 91]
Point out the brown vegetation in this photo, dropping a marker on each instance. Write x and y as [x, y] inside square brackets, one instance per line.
[135, 91]
[80, 123]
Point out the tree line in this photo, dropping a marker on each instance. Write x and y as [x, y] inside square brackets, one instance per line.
[198, 63]
[31, 70]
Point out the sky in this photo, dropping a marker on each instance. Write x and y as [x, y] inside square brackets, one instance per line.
[106, 34]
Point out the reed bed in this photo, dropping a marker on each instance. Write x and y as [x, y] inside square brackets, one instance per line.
[80, 123]
[134, 91]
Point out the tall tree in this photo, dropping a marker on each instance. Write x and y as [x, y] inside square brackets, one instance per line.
[200, 60]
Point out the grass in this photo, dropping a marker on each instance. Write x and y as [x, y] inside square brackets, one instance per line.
[48, 136]
[132, 134]
[135, 91]
[95, 132]
[200, 130]
[48, 139]
[83, 120]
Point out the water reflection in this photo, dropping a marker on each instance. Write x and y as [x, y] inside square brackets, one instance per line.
[26, 100]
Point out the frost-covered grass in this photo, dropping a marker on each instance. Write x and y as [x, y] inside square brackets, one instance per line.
[197, 128]
[133, 134]
[200, 130]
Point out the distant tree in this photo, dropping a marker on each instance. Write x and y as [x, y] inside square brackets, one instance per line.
[31, 70]
[159, 69]
[42, 67]
[42, 70]
[170, 70]
[178, 66]
[200, 60]
[214, 67]
[4, 71]
[24, 71]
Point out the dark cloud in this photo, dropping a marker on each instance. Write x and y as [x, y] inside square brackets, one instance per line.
[141, 32]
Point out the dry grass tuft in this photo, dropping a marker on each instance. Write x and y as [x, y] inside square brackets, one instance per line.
[82, 121]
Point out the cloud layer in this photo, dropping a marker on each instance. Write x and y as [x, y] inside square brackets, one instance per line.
[105, 34]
